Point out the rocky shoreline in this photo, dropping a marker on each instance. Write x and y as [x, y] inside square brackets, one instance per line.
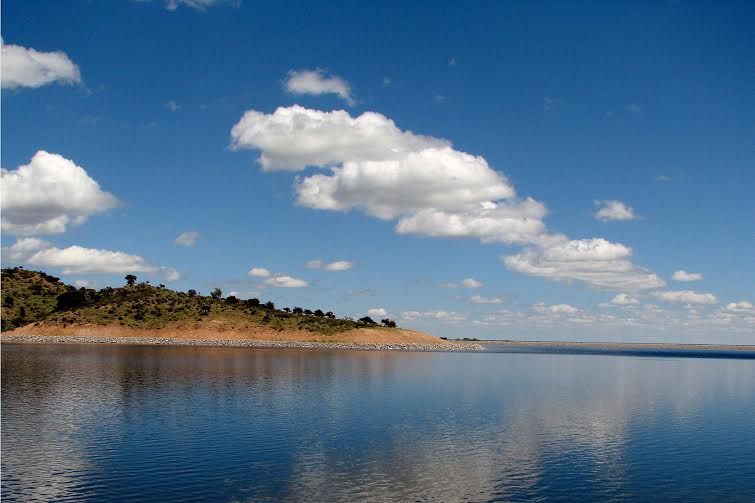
[242, 343]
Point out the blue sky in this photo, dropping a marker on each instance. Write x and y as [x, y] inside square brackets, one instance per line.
[646, 108]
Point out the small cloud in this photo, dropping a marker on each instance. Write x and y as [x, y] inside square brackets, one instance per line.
[259, 272]
[173, 106]
[662, 178]
[634, 108]
[683, 275]
[387, 81]
[170, 274]
[452, 62]
[687, 297]
[738, 307]
[614, 210]
[282, 280]
[84, 283]
[471, 283]
[449, 316]
[26, 67]
[439, 98]
[316, 82]
[479, 299]
[555, 308]
[550, 103]
[367, 292]
[187, 239]
[377, 311]
[624, 299]
[198, 5]
[339, 265]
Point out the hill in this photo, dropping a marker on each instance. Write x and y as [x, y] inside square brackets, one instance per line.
[37, 303]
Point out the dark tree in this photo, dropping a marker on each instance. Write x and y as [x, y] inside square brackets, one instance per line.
[319, 312]
[388, 323]
[367, 321]
[192, 293]
[307, 312]
[70, 300]
[130, 279]
[330, 315]
[253, 302]
[216, 294]
[287, 309]
[269, 305]
[204, 310]
[20, 316]
[231, 299]
[161, 286]
[298, 310]
[8, 301]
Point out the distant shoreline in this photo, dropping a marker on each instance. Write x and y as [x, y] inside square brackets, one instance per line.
[238, 343]
[622, 345]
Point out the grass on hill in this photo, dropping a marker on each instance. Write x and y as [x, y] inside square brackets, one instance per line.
[31, 296]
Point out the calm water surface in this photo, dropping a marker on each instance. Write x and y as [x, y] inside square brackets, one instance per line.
[109, 423]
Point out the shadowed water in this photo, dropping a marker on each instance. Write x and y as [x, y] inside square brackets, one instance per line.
[109, 423]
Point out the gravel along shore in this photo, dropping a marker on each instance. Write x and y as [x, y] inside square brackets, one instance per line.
[248, 343]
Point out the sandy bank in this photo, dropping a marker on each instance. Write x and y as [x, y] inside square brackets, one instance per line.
[209, 334]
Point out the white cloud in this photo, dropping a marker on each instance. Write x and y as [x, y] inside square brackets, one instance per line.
[479, 299]
[614, 210]
[736, 307]
[170, 274]
[683, 275]
[199, 5]
[48, 194]
[316, 82]
[662, 178]
[173, 106]
[471, 283]
[377, 311]
[449, 181]
[22, 67]
[285, 281]
[80, 260]
[259, 272]
[339, 265]
[430, 188]
[518, 222]
[84, 283]
[278, 279]
[555, 308]
[624, 299]
[295, 137]
[433, 315]
[597, 262]
[188, 239]
[687, 297]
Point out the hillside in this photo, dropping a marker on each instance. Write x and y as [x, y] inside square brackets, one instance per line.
[37, 303]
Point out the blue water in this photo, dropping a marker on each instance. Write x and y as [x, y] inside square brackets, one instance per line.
[120, 423]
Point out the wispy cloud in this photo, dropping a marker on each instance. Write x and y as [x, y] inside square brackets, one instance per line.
[317, 82]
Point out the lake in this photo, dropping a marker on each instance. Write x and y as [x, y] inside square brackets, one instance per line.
[140, 423]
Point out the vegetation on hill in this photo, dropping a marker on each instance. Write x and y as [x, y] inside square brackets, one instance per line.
[31, 296]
